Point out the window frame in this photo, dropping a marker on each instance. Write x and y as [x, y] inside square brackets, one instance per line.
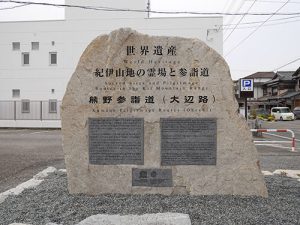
[23, 110]
[32, 46]
[265, 92]
[49, 106]
[50, 58]
[274, 91]
[14, 96]
[23, 59]
[13, 46]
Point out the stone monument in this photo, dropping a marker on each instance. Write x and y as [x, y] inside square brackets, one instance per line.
[149, 114]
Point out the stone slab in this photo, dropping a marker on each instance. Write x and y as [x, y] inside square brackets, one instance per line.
[188, 141]
[114, 141]
[146, 219]
[152, 177]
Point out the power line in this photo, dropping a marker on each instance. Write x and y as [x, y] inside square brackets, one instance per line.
[226, 4]
[287, 64]
[13, 7]
[236, 11]
[226, 8]
[265, 25]
[89, 7]
[254, 22]
[270, 1]
[257, 28]
[239, 21]
[109, 9]
[227, 26]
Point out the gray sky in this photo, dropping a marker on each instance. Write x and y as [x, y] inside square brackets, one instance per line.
[275, 44]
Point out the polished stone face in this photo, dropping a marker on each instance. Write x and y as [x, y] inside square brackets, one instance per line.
[188, 141]
[114, 141]
[146, 114]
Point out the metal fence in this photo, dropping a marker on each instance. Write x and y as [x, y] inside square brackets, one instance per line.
[30, 110]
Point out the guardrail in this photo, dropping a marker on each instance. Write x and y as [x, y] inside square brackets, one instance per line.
[30, 110]
[277, 130]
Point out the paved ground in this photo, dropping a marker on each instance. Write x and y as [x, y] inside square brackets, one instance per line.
[23, 153]
[279, 156]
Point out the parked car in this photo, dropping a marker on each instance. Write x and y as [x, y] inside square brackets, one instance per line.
[282, 113]
[297, 112]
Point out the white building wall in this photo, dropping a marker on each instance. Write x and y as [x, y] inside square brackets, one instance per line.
[70, 38]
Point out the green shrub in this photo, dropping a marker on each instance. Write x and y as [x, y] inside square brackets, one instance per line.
[252, 114]
[261, 117]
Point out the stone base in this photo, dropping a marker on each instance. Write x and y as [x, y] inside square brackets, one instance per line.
[147, 219]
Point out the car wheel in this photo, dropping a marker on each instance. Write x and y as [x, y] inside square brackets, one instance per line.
[281, 118]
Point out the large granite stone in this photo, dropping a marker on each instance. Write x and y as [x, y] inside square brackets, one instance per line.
[182, 94]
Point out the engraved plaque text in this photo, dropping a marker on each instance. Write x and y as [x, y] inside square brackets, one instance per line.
[115, 141]
[152, 177]
[188, 141]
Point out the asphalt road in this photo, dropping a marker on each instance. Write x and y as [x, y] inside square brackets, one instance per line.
[279, 155]
[25, 152]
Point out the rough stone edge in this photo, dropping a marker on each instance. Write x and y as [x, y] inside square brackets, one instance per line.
[128, 32]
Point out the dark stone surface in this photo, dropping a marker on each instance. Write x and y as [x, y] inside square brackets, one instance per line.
[115, 141]
[188, 141]
[152, 177]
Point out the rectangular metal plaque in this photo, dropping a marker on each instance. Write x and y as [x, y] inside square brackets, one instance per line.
[188, 141]
[152, 177]
[115, 141]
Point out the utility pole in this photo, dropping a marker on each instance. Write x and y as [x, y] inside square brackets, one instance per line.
[148, 8]
[246, 109]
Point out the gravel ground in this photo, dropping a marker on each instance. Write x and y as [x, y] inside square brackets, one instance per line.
[50, 202]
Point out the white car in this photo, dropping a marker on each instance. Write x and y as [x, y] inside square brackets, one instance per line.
[282, 113]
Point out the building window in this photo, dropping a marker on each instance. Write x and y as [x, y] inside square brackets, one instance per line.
[274, 91]
[16, 46]
[25, 58]
[25, 106]
[16, 93]
[35, 45]
[265, 92]
[299, 83]
[53, 58]
[52, 106]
